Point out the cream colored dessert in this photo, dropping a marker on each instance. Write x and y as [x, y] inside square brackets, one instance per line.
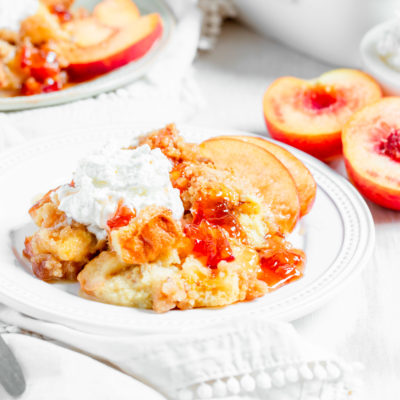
[159, 226]
[137, 177]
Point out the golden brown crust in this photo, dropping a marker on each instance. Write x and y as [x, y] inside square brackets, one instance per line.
[58, 250]
[164, 285]
[172, 145]
[45, 213]
[152, 233]
[8, 36]
[60, 253]
[99, 270]
[9, 80]
[42, 27]
[158, 262]
[202, 180]
[11, 76]
[47, 267]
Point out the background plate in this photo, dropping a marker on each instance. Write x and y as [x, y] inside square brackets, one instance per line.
[337, 236]
[110, 81]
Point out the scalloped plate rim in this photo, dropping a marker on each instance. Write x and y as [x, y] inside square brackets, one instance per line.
[294, 308]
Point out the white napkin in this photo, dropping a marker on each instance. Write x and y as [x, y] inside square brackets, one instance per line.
[56, 373]
[248, 359]
[215, 12]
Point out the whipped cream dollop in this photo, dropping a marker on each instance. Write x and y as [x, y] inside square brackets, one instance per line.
[136, 177]
[13, 12]
[388, 45]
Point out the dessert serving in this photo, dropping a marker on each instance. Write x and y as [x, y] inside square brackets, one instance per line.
[49, 45]
[166, 224]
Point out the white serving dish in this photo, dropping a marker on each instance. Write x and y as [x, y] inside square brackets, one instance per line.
[112, 80]
[330, 30]
[337, 236]
[384, 74]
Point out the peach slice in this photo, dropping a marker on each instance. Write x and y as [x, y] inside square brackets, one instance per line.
[111, 37]
[88, 32]
[116, 13]
[371, 149]
[310, 114]
[304, 181]
[263, 170]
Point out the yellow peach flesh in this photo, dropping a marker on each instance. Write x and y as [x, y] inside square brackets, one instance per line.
[316, 128]
[263, 170]
[374, 173]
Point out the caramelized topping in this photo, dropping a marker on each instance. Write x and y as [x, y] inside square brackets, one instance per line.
[45, 213]
[280, 264]
[209, 241]
[43, 69]
[214, 221]
[218, 211]
[172, 145]
[390, 146]
[178, 177]
[122, 216]
[61, 11]
[152, 233]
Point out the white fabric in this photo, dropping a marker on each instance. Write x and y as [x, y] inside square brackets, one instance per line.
[362, 321]
[53, 372]
[247, 359]
[214, 14]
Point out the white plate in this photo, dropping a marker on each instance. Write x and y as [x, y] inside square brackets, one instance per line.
[337, 236]
[110, 81]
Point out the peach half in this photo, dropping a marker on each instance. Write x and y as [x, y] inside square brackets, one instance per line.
[263, 170]
[114, 35]
[371, 149]
[310, 114]
[304, 181]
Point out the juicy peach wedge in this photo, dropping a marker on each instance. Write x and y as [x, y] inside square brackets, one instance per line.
[371, 149]
[304, 181]
[116, 12]
[263, 170]
[310, 114]
[111, 37]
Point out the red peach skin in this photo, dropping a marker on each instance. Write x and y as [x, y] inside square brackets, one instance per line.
[371, 149]
[135, 42]
[114, 35]
[263, 170]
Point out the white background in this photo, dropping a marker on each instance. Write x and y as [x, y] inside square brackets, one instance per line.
[363, 322]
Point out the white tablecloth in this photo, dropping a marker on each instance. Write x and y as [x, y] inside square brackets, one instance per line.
[363, 322]
[360, 323]
[280, 364]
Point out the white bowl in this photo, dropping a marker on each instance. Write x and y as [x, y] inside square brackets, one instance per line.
[329, 30]
[384, 74]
